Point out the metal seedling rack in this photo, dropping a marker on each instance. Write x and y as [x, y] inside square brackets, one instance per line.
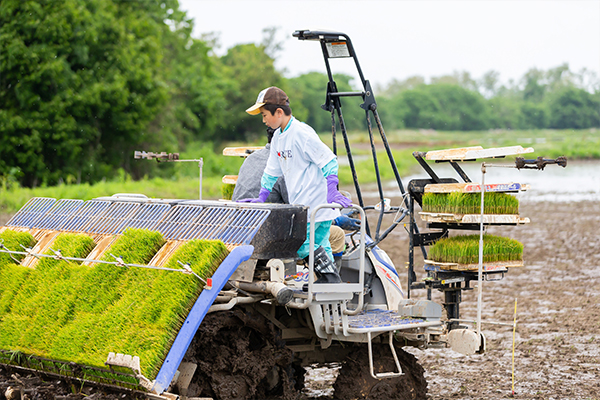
[448, 279]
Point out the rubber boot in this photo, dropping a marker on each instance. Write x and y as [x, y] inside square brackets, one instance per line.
[325, 269]
[337, 260]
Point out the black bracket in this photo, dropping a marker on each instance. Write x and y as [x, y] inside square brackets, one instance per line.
[539, 163]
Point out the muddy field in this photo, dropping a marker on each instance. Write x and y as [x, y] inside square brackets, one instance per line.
[557, 354]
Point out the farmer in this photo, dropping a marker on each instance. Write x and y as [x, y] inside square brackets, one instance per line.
[248, 186]
[310, 171]
[250, 174]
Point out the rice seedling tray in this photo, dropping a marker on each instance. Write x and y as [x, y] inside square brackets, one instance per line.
[229, 179]
[488, 219]
[475, 152]
[496, 266]
[240, 151]
[476, 187]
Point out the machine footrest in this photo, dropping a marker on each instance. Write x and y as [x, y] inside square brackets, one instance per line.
[384, 321]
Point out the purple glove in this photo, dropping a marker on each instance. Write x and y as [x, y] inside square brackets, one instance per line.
[333, 195]
[262, 197]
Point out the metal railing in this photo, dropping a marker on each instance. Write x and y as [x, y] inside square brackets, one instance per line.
[358, 288]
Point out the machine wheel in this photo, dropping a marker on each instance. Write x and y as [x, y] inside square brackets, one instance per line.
[298, 373]
[355, 380]
[240, 355]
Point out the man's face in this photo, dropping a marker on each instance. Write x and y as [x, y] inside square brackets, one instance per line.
[272, 120]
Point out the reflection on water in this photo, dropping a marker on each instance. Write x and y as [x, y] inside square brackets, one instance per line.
[579, 181]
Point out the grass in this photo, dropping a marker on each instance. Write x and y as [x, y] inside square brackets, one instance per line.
[464, 249]
[72, 312]
[574, 144]
[470, 203]
[12, 199]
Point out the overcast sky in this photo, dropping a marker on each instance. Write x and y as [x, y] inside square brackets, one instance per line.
[399, 39]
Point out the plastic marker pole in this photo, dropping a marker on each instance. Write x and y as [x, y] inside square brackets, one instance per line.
[480, 269]
[513, 352]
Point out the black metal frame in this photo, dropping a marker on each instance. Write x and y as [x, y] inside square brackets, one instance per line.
[334, 106]
[449, 282]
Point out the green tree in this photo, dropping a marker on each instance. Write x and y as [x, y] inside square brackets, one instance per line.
[505, 112]
[395, 86]
[574, 108]
[439, 106]
[489, 83]
[311, 91]
[533, 116]
[534, 85]
[78, 84]
[249, 70]
[195, 85]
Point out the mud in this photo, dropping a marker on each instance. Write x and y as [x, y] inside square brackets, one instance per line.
[557, 347]
[240, 355]
[17, 384]
[355, 382]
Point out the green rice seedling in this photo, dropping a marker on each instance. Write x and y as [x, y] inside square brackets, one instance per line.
[11, 277]
[135, 246]
[227, 191]
[464, 249]
[71, 312]
[470, 203]
[45, 297]
[13, 240]
[145, 319]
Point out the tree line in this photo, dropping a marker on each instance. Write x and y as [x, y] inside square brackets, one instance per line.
[84, 83]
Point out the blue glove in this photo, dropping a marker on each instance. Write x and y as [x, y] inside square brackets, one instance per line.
[347, 223]
[262, 197]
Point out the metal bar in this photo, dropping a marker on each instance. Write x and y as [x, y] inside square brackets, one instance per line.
[377, 175]
[348, 94]
[173, 220]
[460, 171]
[483, 322]
[178, 220]
[480, 268]
[389, 153]
[57, 214]
[326, 58]
[411, 249]
[257, 227]
[236, 229]
[245, 224]
[351, 162]
[124, 222]
[112, 215]
[419, 157]
[86, 216]
[389, 229]
[117, 263]
[217, 224]
[149, 215]
[213, 219]
[31, 211]
[333, 132]
[187, 228]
